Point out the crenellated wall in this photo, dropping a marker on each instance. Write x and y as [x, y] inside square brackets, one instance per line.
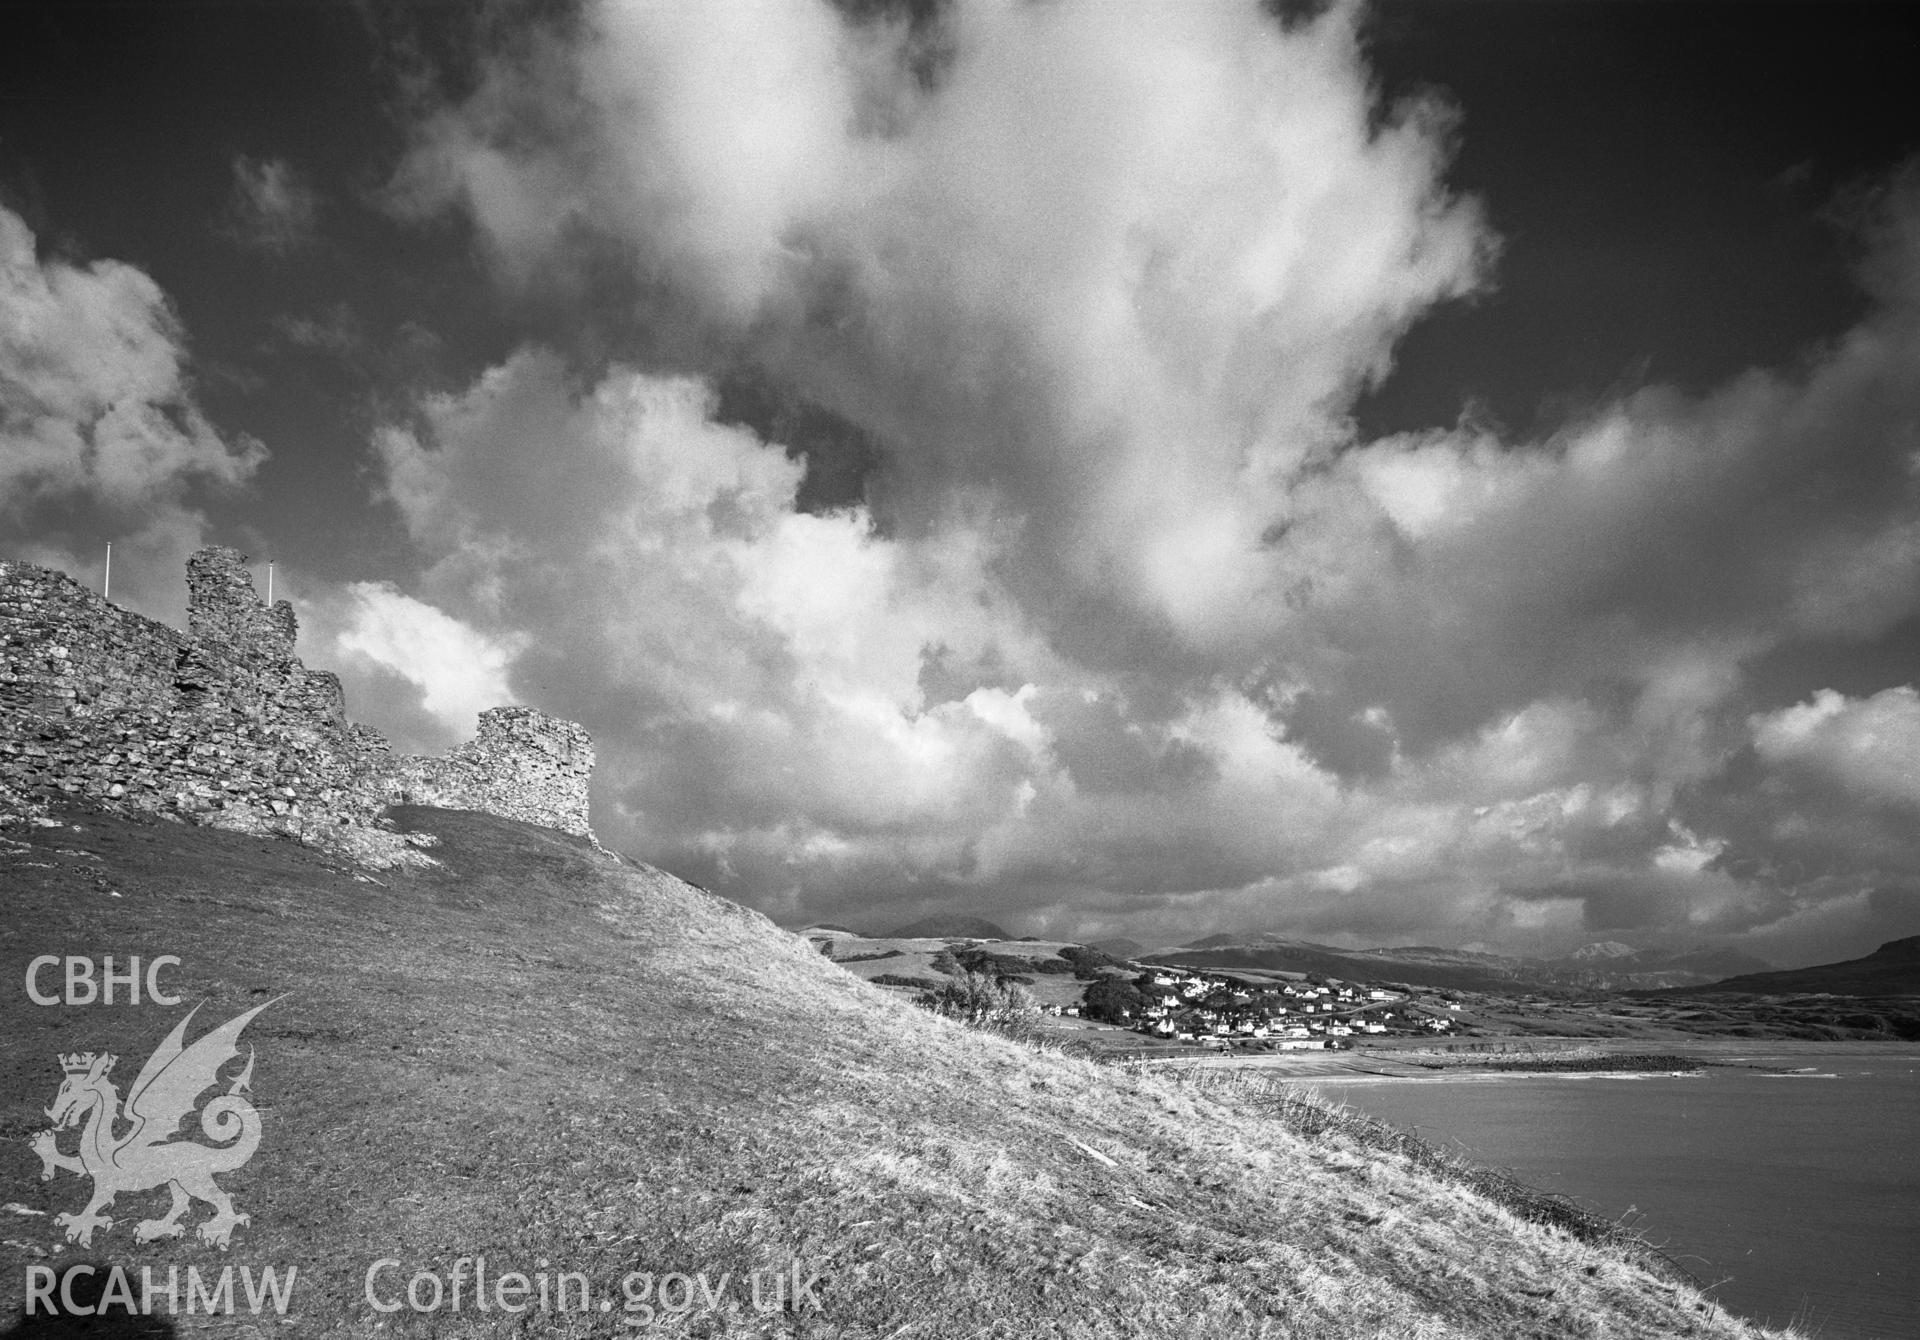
[222, 725]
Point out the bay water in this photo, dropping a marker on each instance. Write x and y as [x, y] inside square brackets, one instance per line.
[1796, 1195]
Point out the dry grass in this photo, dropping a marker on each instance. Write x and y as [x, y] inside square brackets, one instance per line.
[1306, 1114]
[982, 1001]
[536, 1054]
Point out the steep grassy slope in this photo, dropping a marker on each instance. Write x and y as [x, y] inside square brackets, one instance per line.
[560, 1062]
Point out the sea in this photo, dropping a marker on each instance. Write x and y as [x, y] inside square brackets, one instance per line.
[1794, 1195]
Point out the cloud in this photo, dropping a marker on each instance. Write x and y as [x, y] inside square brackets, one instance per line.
[750, 654]
[1813, 816]
[757, 676]
[1868, 746]
[272, 207]
[457, 671]
[104, 438]
[336, 331]
[1113, 273]
[1131, 632]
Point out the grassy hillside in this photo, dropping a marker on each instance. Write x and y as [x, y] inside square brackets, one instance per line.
[1891, 970]
[566, 1063]
[1615, 967]
[893, 961]
[1453, 970]
[948, 925]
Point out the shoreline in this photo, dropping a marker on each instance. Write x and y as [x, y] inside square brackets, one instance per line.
[1568, 1058]
[1824, 1228]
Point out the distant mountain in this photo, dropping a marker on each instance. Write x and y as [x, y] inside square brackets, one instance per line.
[1891, 970]
[1417, 966]
[1121, 948]
[1603, 950]
[1695, 967]
[1606, 966]
[950, 926]
[831, 926]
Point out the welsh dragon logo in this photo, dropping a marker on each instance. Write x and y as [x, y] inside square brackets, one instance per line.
[144, 1155]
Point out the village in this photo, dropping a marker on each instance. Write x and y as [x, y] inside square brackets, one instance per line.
[1216, 1011]
[1155, 1004]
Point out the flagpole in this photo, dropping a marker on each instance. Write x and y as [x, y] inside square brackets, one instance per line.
[269, 583]
[106, 583]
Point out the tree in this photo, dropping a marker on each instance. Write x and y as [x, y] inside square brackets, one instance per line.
[1087, 962]
[1113, 999]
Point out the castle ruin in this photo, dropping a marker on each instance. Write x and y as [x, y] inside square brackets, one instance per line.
[223, 725]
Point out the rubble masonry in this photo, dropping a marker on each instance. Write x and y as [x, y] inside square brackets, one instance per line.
[222, 725]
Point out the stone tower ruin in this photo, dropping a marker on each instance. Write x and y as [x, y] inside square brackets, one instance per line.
[223, 725]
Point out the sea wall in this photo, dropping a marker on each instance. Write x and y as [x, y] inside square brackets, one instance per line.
[223, 725]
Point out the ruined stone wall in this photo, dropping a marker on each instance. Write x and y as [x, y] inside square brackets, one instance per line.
[223, 725]
[523, 764]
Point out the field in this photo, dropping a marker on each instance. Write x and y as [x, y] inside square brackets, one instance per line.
[571, 1063]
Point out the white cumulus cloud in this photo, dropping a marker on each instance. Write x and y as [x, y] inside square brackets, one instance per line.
[459, 671]
[1130, 629]
[98, 411]
[1869, 745]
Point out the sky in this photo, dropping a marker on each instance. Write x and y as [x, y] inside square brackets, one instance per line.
[1420, 473]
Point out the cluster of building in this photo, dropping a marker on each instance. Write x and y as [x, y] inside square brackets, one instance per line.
[1220, 1010]
[1189, 1006]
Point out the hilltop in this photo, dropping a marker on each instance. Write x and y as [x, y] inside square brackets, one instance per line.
[1891, 970]
[1607, 966]
[553, 1058]
[950, 925]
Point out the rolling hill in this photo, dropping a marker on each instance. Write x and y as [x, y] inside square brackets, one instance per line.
[1605, 967]
[1891, 970]
[950, 926]
[569, 1063]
